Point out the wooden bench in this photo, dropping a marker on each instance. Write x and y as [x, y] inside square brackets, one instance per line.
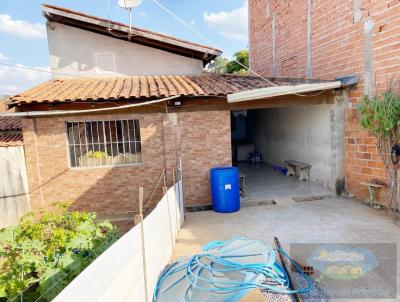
[298, 168]
[242, 178]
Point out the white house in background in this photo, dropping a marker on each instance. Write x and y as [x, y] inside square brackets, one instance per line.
[85, 45]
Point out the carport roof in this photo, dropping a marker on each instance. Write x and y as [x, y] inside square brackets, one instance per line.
[274, 91]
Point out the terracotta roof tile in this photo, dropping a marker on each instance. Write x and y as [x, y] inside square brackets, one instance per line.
[8, 123]
[139, 87]
[8, 140]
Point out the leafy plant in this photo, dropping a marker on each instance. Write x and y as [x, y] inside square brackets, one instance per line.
[38, 258]
[233, 66]
[237, 66]
[218, 65]
[381, 115]
[96, 154]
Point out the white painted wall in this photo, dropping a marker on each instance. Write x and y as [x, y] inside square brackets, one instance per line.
[300, 133]
[14, 192]
[73, 51]
[118, 274]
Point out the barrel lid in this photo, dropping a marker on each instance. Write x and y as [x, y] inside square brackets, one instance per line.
[223, 168]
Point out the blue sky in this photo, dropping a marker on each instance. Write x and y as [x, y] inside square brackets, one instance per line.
[23, 37]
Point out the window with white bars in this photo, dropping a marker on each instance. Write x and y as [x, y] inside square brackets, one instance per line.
[104, 143]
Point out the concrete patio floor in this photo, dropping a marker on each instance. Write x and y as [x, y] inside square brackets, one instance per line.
[265, 184]
[332, 220]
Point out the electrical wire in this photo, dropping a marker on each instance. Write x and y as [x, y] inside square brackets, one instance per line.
[44, 71]
[168, 11]
[8, 92]
[186, 25]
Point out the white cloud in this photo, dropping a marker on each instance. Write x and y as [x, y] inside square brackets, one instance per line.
[15, 80]
[232, 25]
[22, 29]
[3, 57]
[192, 23]
[142, 14]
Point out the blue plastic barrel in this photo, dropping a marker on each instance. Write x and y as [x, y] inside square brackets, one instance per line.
[225, 189]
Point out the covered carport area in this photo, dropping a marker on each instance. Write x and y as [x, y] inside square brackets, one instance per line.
[304, 123]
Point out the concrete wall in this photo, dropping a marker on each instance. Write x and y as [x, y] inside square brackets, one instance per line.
[300, 133]
[14, 193]
[326, 39]
[73, 51]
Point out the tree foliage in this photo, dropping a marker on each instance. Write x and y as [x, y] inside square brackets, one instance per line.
[218, 65]
[381, 115]
[39, 258]
[241, 57]
[223, 65]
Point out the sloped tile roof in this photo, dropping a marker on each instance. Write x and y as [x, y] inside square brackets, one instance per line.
[139, 88]
[150, 38]
[8, 123]
[9, 140]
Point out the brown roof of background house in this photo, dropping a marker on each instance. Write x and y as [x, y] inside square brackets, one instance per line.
[140, 87]
[121, 31]
[10, 140]
[10, 129]
[8, 123]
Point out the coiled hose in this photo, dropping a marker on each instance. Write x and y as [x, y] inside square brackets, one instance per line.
[219, 258]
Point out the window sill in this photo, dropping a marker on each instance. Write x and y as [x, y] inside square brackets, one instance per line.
[107, 167]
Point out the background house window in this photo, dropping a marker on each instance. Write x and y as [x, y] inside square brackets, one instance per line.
[105, 62]
[104, 143]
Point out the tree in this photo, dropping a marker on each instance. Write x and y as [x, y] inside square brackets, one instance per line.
[218, 65]
[235, 66]
[381, 115]
[241, 57]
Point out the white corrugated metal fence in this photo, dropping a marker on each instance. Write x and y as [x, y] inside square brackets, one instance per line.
[118, 274]
[14, 192]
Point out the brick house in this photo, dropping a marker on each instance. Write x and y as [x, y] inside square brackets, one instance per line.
[327, 39]
[87, 139]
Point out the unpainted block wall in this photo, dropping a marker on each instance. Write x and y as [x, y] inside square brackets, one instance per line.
[300, 133]
[202, 137]
[360, 37]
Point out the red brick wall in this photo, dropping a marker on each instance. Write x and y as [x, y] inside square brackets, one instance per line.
[108, 191]
[203, 136]
[205, 143]
[337, 49]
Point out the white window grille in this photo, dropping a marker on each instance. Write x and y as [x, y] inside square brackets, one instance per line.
[104, 143]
